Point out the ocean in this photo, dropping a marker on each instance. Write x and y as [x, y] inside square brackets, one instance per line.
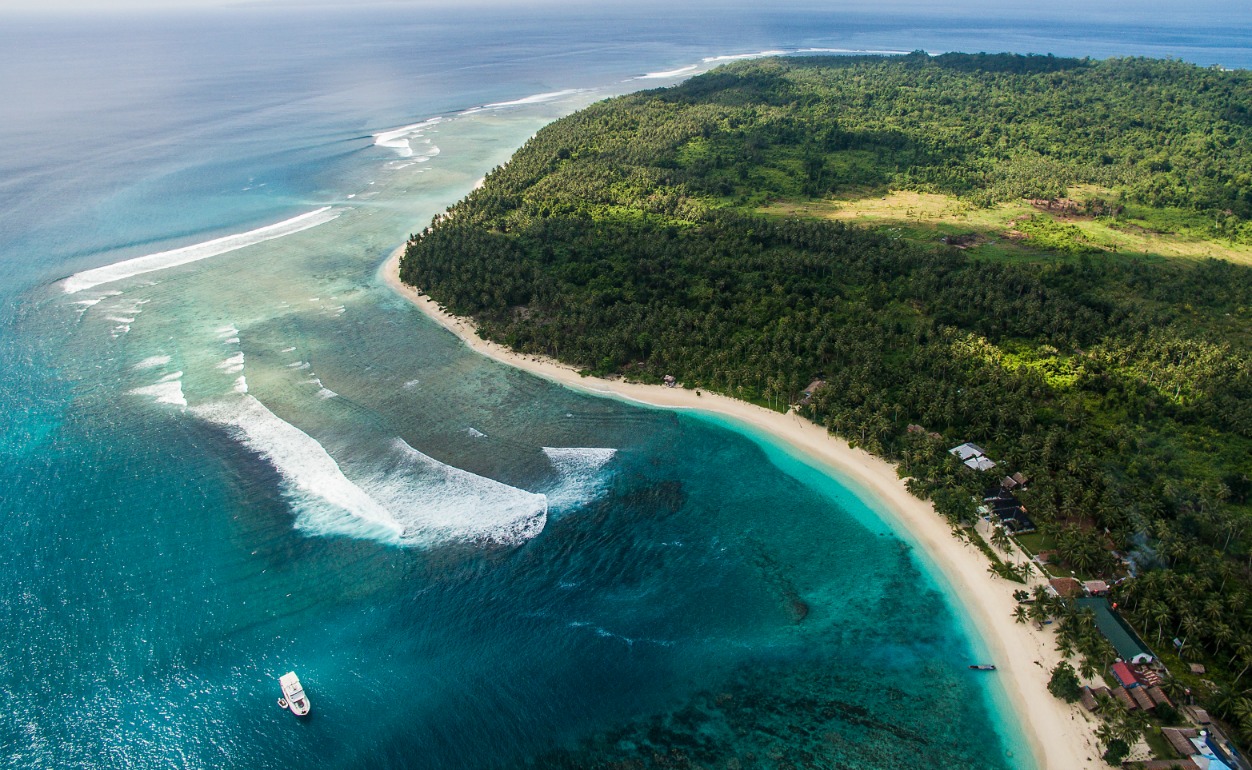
[230, 451]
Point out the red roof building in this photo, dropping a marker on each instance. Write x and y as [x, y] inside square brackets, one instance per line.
[1124, 675]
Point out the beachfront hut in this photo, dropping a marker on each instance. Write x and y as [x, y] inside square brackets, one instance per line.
[1159, 697]
[1088, 699]
[1122, 695]
[1141, 698]
[1124, 640]
[1124, 674]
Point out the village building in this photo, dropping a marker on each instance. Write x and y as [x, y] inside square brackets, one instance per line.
[1141, 698]
[1096, 588]
[1122, 695]
[973, 456]
[1064, 588]
[1005, 507]
[1124, 675]
[1125, 641]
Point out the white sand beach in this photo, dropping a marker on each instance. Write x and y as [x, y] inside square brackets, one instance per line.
[1061, 735]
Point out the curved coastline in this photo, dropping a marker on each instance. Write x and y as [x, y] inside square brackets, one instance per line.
[1060, 735]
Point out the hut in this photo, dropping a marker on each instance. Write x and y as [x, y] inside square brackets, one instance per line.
[1141, 698]
[1066, 588]
[1088, 699]
[1122, 695]
[1159, 697]
[1096, 587]
[973, 456]
[1180, 740]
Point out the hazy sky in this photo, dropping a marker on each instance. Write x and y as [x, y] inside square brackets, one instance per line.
[1126, 7]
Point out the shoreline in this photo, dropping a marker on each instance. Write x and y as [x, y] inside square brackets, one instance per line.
[1060, 735]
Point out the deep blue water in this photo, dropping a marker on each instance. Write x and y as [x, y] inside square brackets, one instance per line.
[568, 580]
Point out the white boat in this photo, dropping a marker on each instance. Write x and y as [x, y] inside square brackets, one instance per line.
[293, 694]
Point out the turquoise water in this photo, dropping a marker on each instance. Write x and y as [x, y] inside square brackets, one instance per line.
[264, 460]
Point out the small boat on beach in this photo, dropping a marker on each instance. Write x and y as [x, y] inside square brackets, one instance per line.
[982, 667]
[293, 694]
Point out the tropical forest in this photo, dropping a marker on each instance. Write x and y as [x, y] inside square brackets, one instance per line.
[1048, 258]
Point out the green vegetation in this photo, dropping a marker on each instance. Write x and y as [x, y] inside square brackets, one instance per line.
[699, 231]
[1064, 683]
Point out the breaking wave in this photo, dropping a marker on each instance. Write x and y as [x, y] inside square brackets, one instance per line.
[408, 499]
[400, 139]
[579, 471]
[162, 260]
[167, 390]
[326, 501]
[438, 503]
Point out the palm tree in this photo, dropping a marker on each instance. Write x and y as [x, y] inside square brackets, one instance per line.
[1000, 539]
[1020, 614]
[1087, 668]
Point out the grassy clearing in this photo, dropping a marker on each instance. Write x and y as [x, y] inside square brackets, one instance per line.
[1017, 231]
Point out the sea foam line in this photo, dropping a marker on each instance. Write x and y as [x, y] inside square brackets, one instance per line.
[669, 74]
[398, 139]
[327, 501]
[139, 265]
[439, 503]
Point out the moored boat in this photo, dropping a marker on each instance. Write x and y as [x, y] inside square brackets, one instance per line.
[293, 694]
[982, 667]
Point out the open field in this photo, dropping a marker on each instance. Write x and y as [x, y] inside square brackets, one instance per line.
[1004, 231]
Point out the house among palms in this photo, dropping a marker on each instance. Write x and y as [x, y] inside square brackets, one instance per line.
[1125, 641]
[973, 456]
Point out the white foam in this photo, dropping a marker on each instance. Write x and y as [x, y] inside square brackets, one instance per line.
[874, 51]
[152, 362]
[287, 350]
[241, 384]
[534, 99]
[167, 390]
[475, 433]
[579, 474]
[233, 361]
[165, 259]
[231, 341]
[399, 139]
[326, 501]
[408, 499]
[737, 56]
[226, 331]
[411, 384]
[326, 393]
[669, 74]
[438, 503]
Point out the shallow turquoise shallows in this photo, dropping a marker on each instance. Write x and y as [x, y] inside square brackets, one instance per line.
[235, 458]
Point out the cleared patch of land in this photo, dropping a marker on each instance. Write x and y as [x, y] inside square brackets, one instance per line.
[1021, 230]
